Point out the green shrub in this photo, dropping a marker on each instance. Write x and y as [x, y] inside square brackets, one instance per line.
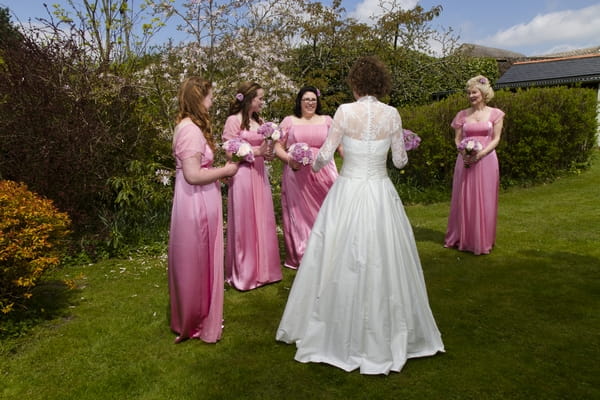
[142, 207]
[547, 132]
[75, 128]
[32, 238]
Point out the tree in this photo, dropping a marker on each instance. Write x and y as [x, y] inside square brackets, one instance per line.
[7, 31]
[111, 30]
[406, 28]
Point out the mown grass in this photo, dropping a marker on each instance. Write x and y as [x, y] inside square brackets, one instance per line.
[521, 323]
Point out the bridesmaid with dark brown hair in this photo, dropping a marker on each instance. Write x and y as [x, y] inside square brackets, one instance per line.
[252, 257]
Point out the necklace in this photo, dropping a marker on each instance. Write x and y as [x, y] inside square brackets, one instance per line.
[479, 115]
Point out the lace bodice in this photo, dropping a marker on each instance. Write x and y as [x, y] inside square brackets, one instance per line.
[368, 127]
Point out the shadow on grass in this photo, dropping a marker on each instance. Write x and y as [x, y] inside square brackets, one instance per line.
[429, 235]
[51, 299]
[563, 257]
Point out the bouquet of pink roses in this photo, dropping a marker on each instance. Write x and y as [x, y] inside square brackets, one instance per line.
[301, 153]
[240, 150]
[270, 131]
[411, 139]
[470, 146]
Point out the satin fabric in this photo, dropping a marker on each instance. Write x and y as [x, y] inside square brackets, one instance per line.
[252, 256]
[359, 299]
[303, 191]
[195, 258]
[474, 204]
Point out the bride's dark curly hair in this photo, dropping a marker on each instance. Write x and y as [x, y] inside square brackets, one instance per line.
[370, 76]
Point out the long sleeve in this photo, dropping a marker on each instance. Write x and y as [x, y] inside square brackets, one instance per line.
[399, 156]
[333, 140]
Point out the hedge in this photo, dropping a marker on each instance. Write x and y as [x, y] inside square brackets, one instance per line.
[547, 132]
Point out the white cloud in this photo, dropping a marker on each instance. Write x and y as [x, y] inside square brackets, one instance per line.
[558, 27]
[367, 8]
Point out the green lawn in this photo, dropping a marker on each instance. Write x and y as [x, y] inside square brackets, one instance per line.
[521, 323]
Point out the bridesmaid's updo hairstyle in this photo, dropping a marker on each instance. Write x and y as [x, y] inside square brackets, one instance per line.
[191, 96]
[242, 101]
[370, 76]
[481, 83]
[301, 93]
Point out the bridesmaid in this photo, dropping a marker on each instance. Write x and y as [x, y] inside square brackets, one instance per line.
[302, 190]
[195, 259]
[252, 256]
[474, 205]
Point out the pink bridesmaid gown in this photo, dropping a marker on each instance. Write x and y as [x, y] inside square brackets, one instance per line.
[252, 256]
[195, 245]
[303, 191]
[474, 205]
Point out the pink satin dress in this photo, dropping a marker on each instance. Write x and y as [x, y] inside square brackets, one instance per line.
[195, 261]
[474, 205]
[303, 191]
[252, 256]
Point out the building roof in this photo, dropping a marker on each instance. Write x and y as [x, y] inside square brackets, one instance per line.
[553, 71]
[570, 53]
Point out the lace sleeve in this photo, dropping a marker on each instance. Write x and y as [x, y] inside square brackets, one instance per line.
[399, 157]
[333, 140]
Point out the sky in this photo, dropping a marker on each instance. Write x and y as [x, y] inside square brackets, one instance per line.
[529, 27]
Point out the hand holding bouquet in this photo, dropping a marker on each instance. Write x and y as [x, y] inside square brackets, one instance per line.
[240, 150]
[411, 139]
[301, 153]
[469, 147]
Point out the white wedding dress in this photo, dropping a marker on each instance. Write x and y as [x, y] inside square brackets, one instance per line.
[359, 298]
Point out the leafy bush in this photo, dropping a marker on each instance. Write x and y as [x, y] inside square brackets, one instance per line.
[32, 239]
[143, 198]
[75, 128]
[547, 132]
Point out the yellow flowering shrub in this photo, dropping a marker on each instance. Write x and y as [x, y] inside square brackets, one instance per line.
[32, 239]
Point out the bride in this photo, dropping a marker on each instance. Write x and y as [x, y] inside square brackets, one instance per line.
[359, 298]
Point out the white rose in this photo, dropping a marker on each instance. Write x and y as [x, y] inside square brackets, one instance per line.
[276, 135]
[244, 150]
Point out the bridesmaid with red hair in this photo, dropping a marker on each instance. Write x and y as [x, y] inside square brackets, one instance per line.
[196, 233]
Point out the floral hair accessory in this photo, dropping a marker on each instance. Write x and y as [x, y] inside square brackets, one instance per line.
[483, 80]
[239, 97]
[318, 93]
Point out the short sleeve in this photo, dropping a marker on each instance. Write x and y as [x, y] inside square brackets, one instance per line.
[496, 115]
[285, 126]
[189, 141]
[459, 120]
[232, 128]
